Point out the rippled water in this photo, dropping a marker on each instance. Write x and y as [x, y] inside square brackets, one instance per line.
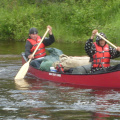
[35, 99]
[44, 100]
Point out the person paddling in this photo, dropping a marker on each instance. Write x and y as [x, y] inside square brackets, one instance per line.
[31, 45]
[100, 52]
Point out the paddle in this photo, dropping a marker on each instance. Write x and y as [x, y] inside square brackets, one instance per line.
[106, 40]
[23, 70]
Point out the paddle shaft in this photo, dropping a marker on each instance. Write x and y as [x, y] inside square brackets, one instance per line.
[39, 43]
[106, 40]
[22, 72]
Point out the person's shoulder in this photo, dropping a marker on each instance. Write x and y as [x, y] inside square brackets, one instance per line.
[28, 43]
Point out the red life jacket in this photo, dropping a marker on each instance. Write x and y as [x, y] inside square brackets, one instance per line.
[41, 50]
[59, 68]
[102, 56]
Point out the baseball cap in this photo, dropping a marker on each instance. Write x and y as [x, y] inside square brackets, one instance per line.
[33, 31]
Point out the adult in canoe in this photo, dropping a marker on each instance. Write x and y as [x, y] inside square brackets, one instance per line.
[100, 52]
[32, 43]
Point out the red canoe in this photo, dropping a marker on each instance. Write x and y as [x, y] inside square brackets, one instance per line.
[107, 80]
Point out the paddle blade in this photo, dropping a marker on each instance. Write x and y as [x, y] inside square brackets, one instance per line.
[22, 84]
[22, 72]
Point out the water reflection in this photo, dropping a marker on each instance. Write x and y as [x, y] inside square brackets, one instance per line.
[17, 48]
[72, 101]
[22, 84]
[107, 103]
[32, 98]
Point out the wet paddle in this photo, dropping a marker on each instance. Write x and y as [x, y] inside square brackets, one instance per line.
[23, 70]
[106, 40]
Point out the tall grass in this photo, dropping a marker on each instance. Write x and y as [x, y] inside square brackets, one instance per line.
[72, 20]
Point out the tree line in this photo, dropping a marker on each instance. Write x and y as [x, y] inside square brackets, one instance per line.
[72, 20]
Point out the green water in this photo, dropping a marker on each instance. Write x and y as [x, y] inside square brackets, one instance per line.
[17, 47]
[37, 99]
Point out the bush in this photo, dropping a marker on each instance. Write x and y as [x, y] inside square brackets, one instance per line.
[72, 20]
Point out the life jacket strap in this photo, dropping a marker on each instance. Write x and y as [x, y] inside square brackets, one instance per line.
[101, 63]
[40, 49]
[39, 54]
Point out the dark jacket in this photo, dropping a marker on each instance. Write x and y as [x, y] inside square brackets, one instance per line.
[90, 50]
[46, 42]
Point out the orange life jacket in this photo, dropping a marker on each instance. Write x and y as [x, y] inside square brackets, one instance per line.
[102, 56]
[59, 68]
[41, 49]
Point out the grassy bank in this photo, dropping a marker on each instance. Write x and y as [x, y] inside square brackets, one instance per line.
[72, 20]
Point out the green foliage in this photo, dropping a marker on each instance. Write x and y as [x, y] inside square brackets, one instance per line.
[16, 22]
[72, 20]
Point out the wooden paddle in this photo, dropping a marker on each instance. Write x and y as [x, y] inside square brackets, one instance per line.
[106, 40]
[23, 70]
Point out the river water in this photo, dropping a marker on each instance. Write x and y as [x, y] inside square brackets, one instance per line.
[36, 99]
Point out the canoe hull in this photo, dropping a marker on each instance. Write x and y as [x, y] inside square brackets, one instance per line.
[107, 80]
